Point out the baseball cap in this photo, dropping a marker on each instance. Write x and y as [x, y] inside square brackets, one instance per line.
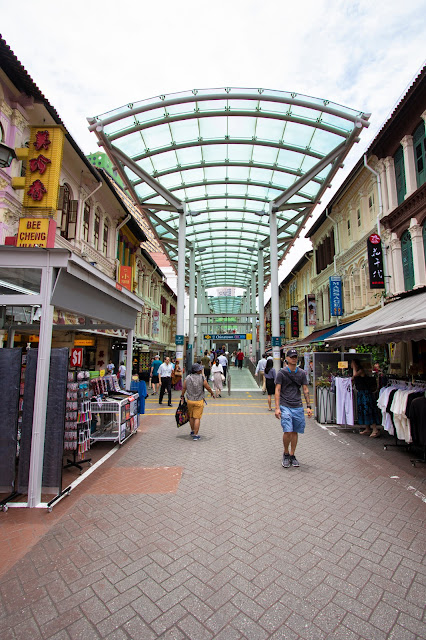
[196, 368]
[291, 353]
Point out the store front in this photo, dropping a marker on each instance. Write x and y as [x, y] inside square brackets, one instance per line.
[45, 283]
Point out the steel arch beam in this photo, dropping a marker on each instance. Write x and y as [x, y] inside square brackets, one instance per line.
[290, 99]
[228, 112]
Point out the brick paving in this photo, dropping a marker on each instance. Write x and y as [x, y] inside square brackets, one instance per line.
[217, 540]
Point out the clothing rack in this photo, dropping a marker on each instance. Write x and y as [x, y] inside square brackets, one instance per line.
[409, 383]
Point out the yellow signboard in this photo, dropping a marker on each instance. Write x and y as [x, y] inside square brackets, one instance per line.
[44, 165]
[84, 342]
[36, 232]
[343, 364]
[249, 336]
[102, 373]
[33, 339]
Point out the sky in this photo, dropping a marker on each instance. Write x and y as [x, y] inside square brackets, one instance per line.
[90, 57]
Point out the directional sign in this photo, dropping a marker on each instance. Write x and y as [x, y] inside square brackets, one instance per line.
[227, 336]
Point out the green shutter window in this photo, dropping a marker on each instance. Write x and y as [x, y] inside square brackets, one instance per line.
[401, 188]
[407, 260]
[419, 144]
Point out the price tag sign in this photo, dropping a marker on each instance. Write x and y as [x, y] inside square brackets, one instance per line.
[76, 358]
[102, 373]
[344, 364]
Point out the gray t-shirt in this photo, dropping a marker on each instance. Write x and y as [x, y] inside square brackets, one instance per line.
[195, 387]
[291, 383]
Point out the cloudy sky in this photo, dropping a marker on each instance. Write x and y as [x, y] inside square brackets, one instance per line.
[89, 57]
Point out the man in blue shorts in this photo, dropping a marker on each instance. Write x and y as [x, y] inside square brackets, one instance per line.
[288, 405]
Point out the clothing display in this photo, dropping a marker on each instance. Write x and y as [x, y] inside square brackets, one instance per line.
[395, 402]
[417, 417]
[344, 401]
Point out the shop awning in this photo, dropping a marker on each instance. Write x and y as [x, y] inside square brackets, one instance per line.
[398, 321]
[329, 332]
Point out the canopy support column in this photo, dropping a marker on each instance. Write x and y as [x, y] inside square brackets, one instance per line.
[190, 353]
[129, 363]
[180, 319]
[40, 393]
[275, 308]
[200, 309]
[253, 310]
[261, 285]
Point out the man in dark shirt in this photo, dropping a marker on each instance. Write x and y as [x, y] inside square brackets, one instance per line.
[288, 405]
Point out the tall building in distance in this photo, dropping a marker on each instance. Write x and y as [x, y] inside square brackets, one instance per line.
[100, 160]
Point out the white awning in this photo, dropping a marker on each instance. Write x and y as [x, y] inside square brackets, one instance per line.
[398, 321]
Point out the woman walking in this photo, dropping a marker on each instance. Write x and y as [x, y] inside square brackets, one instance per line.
[177, 377]
[270, 375]
[194, 386]
[217, 373]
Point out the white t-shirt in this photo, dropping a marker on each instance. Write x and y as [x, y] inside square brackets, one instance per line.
[122, 370]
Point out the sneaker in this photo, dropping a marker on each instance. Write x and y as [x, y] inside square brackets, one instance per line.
[286, 460]
[192, 433]
[170, 405]
[195, 437]
[294, 462]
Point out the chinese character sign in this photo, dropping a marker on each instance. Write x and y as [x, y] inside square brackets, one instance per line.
[375, 262]
[44, 168]
[336, 298]
[294, 315]
[155, 322]
[282, 328]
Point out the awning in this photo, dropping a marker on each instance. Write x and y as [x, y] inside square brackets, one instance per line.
[398, 321]
[330, 332]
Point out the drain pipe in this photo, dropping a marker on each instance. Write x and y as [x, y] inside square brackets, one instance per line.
[379, 216]
[336, 235]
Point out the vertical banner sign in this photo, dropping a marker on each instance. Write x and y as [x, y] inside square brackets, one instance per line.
[125, 277]
[155, 322]
[44, 169]
[375, 262]
[282, 328]
[310, 310]
[336, 301]
[173, 325]
[294, 314]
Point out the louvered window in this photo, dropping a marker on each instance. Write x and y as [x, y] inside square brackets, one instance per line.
[419, 143]
[401, 188]
[407, 260]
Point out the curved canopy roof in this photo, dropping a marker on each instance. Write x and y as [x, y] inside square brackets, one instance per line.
[227, 157]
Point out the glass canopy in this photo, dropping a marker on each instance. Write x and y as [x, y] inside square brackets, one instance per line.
[227, 156]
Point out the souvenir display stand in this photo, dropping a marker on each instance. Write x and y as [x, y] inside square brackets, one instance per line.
[114, 412]
[77, 420]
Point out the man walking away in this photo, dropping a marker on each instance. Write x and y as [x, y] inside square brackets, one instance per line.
[206, 362]
[165, 377]
[223, 360]
[288, 406]
[240, 358]
[260, 371]
[155, 365]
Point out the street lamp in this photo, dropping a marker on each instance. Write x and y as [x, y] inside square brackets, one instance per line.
[6, 156]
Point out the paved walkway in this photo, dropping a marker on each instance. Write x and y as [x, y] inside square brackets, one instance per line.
[178, 539]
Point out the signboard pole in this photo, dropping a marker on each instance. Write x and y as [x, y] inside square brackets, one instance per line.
[275, 302]
[180, 320]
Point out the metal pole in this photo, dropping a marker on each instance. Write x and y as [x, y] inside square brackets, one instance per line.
[275, 302]
[180, 319]
[261, 285]
[200, 329]
[189, 359]
[253, 309]
[41, 390]
[129, 363]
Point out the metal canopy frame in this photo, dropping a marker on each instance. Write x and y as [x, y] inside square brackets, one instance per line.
[228, 160]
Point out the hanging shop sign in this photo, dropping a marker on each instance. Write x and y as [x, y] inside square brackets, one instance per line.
[310, 310]
[76, 358]
[336, 299]
[155, 322]
[294, 320]
[44, 165]
[282, 328]
[125, 277]
[36, 232]
[343, 364]
[84, 342]
[228, 336]
[33, 339]
[375, 262]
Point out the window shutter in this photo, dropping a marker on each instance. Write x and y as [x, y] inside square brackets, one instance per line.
[407, 260]
[401, 188]
[61, 195]
[73, 211]
[419, 143]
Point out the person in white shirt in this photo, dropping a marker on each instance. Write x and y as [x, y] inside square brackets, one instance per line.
[110, 367]
[122, 375]
[165, 378]
[217, 373]
[260, 371]
[223, 360]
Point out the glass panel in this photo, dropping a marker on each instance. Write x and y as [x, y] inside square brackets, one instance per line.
[17, 281]
[157, 136]
[185, 130]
